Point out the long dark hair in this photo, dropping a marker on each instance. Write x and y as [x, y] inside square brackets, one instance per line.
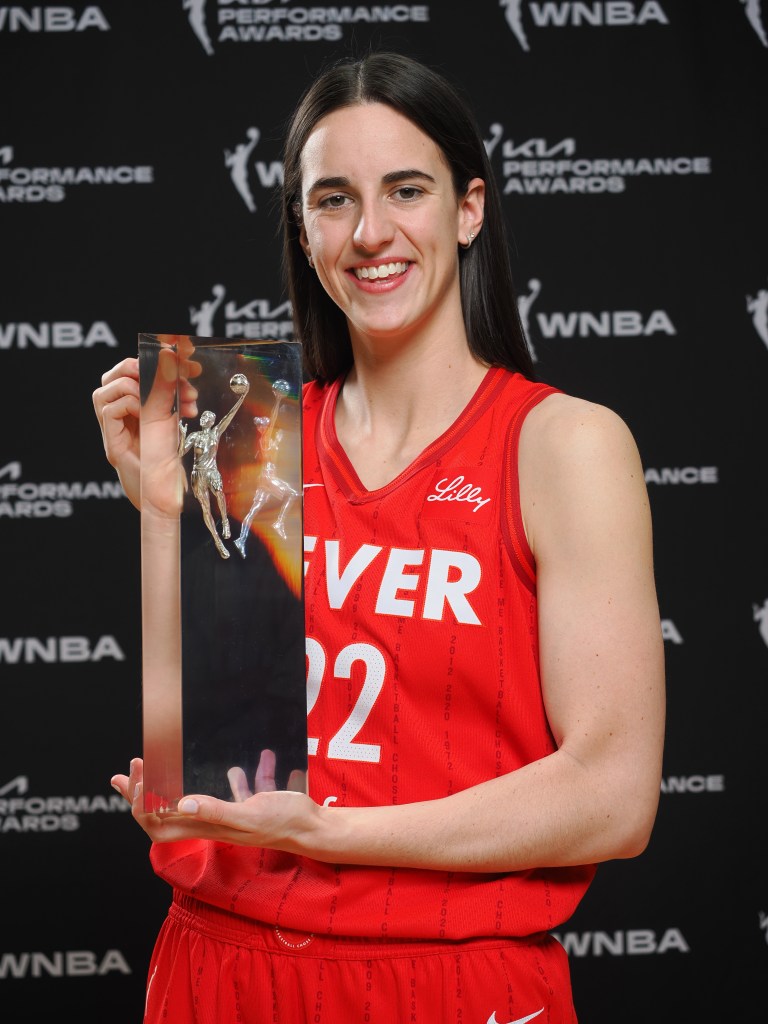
[426, 98]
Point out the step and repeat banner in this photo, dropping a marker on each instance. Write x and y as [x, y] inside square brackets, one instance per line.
[139, 158]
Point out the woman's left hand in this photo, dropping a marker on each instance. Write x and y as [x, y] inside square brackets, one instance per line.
[268, 817]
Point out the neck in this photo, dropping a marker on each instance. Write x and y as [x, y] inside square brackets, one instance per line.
[392, 407]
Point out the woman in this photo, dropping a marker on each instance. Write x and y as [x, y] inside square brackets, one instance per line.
[485, 665]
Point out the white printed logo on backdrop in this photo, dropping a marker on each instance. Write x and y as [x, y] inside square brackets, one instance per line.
[22, 811]
[58, 650]
[524, 302]
[755, 19]
[757, 307]
[51, 19]
[27, 499]
[268, 175]
[610, 14]
[21, 184]
[56, 334]
[267, 21]
[687, 475]
[196, 17]
[617, 323]
[541, 166]
[760, 616]
[623, 942]
[673, 785]
[257, 318]
[669, 631]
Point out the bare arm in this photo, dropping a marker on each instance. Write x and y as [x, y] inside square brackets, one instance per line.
[602, 658]
[595, 798]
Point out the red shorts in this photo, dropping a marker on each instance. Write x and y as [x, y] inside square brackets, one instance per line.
[210, 967]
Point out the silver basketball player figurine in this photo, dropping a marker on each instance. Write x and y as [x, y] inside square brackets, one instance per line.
[270, 485]
[206, 479]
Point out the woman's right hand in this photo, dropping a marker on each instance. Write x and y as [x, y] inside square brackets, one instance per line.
[117, 406]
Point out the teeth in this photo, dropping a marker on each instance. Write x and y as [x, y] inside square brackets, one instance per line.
[385, 270]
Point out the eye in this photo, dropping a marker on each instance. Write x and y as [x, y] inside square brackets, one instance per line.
[334, 202]
[407, 193]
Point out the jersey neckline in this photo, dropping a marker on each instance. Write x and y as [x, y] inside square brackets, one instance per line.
[335, 459]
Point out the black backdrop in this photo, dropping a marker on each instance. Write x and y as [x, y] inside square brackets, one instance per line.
[139, 149]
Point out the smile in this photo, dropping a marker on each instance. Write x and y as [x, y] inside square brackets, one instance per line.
[377, 273]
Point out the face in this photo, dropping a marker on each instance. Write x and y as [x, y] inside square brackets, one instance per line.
[383, 223]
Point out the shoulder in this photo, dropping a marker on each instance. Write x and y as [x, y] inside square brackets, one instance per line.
[578, 464]
[564, 427]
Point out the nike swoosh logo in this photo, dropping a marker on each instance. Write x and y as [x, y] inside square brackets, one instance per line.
[520, 1020]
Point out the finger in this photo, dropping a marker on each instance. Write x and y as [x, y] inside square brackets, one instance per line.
[120, 783]
[133, 786]
[161, 399]
[115, 412]
[112, 391]
[182, 346]
[136, 776]
[238, 783]
[128, 367]
[204, 808]
[170, 385]
[120, 430]
[190, 368]
[297, 781]
[265, 772]
[188, 395]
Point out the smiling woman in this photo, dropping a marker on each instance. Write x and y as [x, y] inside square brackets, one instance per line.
[394, 206]
[432, 107]
[485, 686]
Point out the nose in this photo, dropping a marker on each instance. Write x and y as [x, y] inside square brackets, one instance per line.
[374, 227]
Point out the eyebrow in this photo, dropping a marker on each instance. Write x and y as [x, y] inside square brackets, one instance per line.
[391, 178]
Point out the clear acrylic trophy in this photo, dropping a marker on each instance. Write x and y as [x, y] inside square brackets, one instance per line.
[223, 662]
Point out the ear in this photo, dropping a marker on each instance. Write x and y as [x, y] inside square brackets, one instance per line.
[303, 241]
[471, 209]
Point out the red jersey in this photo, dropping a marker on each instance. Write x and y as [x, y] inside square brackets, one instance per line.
[422, 680]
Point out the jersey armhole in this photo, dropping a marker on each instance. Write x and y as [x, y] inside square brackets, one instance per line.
[512, 527]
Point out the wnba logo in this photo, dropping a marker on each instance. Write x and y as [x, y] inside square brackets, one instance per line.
[269, 175]
[605, 323]
[760, 615]
[560, 15]
[257, 318]
[757, 307]
[755, 19]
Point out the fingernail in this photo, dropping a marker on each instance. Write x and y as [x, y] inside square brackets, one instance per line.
[136, 791]
[116, 788]
[189, 806]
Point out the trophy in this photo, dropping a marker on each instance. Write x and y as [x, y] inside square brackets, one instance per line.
[223, 662]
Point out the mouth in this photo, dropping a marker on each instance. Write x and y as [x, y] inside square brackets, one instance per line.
[379, 273]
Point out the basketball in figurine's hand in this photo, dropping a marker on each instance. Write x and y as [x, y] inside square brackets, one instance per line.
[239, 384]
[281, 387]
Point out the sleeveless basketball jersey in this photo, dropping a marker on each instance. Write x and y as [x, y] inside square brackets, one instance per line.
[422, 680]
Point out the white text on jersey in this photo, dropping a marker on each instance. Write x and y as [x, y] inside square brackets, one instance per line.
[450, 577]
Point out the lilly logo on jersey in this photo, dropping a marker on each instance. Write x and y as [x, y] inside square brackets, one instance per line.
[460, 493]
